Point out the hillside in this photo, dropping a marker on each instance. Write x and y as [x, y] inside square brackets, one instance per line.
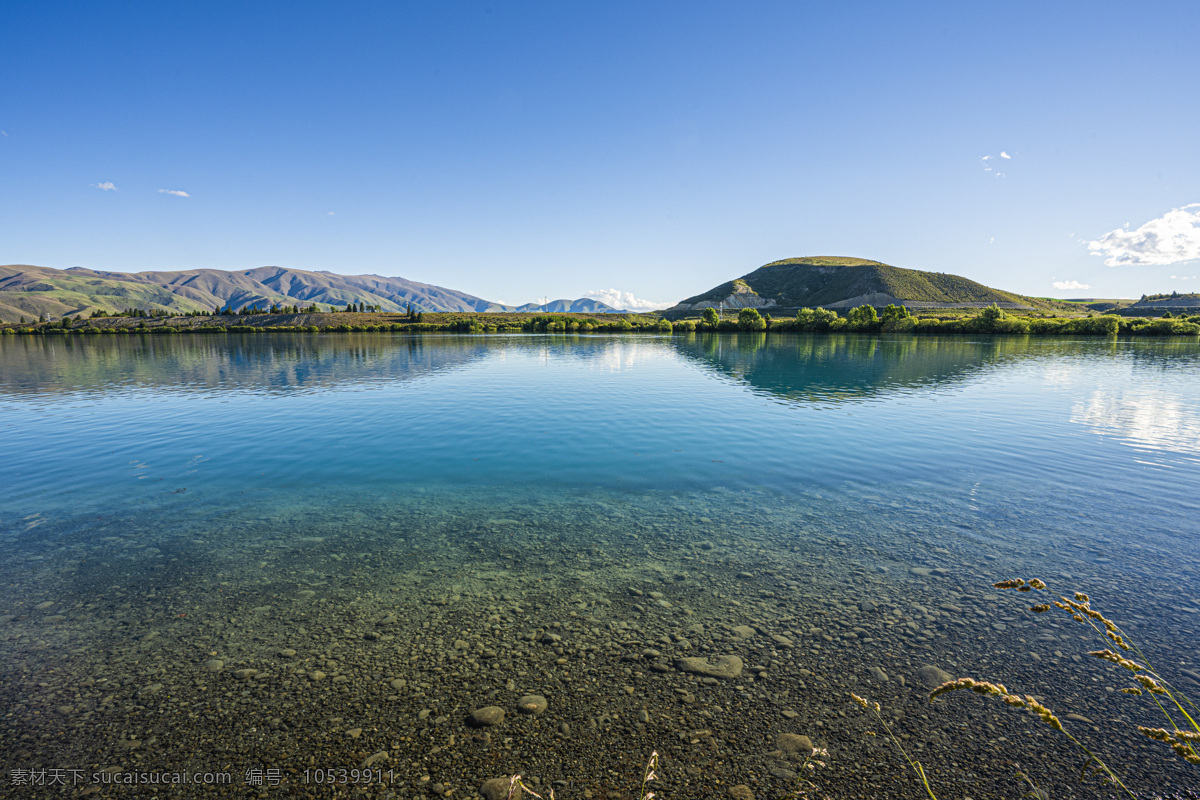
[837, 282]
[28, 291]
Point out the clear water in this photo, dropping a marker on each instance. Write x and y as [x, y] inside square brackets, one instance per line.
[175, 500]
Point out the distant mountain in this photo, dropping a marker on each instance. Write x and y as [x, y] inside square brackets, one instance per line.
[838, 282]
[583, 305]
[29, 291]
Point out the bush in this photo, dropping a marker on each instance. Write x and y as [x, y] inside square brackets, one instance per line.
[750, 320]
[815, 319]
[862, 318]
[900, 325]
[664, 326]
[710, 317]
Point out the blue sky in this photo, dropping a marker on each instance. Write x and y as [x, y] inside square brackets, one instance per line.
[520, 150]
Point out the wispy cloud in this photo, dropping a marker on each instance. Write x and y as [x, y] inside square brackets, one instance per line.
[989, 167]
[625, 300]
[1063, 286]
[176, 192]
[1172, 238]
[107, 186]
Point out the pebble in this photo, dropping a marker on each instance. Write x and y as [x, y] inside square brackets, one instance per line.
[932, 676]
[486, 716]
[741, 792]
[1079, 718]
[287, 653]
[727, 667]
[245, 674]
[214, 665]
[529, 704]
[497, 789]
[794, 743]
[743, 631]
[382, 755]
[354, 733]
[878, 674]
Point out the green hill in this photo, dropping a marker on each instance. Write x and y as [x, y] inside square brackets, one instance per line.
[838, 282]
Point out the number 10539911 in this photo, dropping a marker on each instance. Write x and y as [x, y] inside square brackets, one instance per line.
[345, 775]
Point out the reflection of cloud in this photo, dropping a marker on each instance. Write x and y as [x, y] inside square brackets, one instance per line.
[620, 356]
[1143, 417]
[1173, 238]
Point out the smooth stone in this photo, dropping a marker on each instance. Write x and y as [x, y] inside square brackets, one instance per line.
[878, 674]
[382, 755]
[354, 733]
[932, 676]
[794, 743]
[287, 653]
[316, 675]
[245, 674]
[727, 667]
[741, 792]
[214, 665]
[743, 631]
[530, 704]
[643, 716]
[486, 716]
[497, 789]
[398, 683]
[1079, 718]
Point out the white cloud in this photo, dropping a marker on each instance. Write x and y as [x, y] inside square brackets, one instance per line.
[1173, 238]
[107, 186]
[1063, 286]
[1004, 154]
[988, 167]
[330, 214]
[175, 192]
[625, 300]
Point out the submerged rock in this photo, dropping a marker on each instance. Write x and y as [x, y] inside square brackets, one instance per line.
[727, 667]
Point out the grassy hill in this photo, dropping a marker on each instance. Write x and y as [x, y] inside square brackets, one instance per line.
[27, 291]
[835, 281]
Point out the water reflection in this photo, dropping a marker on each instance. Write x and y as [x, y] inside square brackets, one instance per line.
[839, 368]
[268, 363]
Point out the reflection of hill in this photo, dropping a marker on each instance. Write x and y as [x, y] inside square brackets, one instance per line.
[833, 368]
[261, 363]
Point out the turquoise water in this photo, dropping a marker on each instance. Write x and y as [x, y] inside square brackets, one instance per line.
[861, 483]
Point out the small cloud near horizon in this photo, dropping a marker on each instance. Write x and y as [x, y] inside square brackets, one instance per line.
[107, 186]
[625, 300]
[1173, 238]
[1063, 286]
[176, 192]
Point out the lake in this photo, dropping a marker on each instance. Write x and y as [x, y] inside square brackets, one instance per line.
[269, 556]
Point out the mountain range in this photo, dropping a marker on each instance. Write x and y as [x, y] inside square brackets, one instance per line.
[28, 291]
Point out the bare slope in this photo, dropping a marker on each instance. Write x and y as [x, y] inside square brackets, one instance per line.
[838, 282]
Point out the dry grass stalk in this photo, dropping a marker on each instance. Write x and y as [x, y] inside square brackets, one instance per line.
[916, 765]
[1172, 702]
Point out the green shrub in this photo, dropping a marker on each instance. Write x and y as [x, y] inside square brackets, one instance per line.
[664, 326]
[900, 325]
[750, 320]
[815, 319]
[710, 317]
[862, 318]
